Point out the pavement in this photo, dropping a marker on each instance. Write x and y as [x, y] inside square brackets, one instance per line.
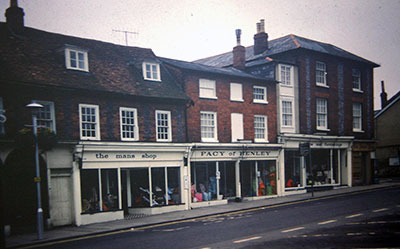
[74, 232]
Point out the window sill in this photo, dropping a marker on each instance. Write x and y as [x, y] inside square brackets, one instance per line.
[237, 100]
[288, 86]
[213, 98]
[322, 85]
[260, 102]
[358, 131]
[261, 141]
[209, 141]
[323, 129]
[358, 90]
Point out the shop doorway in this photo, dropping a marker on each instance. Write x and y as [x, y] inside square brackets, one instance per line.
[19, 191]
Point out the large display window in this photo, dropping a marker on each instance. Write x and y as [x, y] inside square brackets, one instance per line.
[293, 170]
[99, 190]
[258, 178]
[150, 187]
[227, 185]
[324, 169]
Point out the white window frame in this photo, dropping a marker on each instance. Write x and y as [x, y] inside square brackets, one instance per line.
[52, 114]
[215, 127]
[236, 90]
[320, 68]
[122, 124]
[68, 59]
[206, 86]
[237, 131]
[152, 71]
[265, 98]
[169, 126]
[356, 79]
[321, 114]
[265, 130]
[357, 129]
[287, 113]
[283, 78]
[97, 122]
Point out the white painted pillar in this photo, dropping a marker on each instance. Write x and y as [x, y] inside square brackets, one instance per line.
[128, 188]
[119, 188]
[237, 179]
[76, 194]
[349, 167]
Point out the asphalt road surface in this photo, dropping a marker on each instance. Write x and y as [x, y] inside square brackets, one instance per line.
[368, 219]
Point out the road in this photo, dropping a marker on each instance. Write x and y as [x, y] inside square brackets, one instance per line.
[368, 219]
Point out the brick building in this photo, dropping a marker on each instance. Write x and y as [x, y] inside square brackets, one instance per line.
[119, 117]
[324, 101]
[232, 127]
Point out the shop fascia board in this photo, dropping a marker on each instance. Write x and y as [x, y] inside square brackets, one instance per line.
[306, 137]
[87, 146]
[235, 146]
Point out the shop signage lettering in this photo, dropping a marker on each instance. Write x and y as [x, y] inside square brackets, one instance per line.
[327, 144]
[233, 153]
[104, 156]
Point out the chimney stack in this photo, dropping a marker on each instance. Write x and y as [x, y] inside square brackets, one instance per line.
[15, 17]
[239, 53]
[383, 95]
[260, 39]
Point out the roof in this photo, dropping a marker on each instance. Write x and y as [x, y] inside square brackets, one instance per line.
[284, 44]
[37, 57]
[395, 98]
[211, 69]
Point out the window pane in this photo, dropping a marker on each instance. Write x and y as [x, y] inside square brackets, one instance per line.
[204, 182]
[109, 184]
[90, 190]
[158, 186]
[174, 185]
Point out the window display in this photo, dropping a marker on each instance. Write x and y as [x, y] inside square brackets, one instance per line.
[293, 171]
[204, 182]
[258, 178]
[227, 185]
[90, 190]
[324, 168]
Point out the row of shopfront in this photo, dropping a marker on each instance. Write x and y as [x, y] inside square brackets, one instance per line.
[113, 180]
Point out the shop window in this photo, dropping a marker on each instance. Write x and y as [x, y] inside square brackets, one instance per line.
[324, 168]
[204, 184]
[258, 178]
[227, 185]
[90, 190]
[138, 187]
[158, 186]
[174, 185]
[293, 171]
[109, 189]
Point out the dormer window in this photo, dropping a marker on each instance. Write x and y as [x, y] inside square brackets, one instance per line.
[76, 59]
[151, 71]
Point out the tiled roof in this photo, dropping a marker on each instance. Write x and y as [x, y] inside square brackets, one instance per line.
[210, 69]
[280, 45]
[37, 57]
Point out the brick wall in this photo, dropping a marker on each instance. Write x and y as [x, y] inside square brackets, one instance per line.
[223, 106]
[340, 94]
[67, 112]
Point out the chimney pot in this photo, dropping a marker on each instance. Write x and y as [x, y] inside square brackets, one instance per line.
[15, 17]
[383, 95]
[239, 53]
[260, 38]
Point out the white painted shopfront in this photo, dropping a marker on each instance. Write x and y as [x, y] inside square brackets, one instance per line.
[115, 179]
[327, 161]
[219, 172]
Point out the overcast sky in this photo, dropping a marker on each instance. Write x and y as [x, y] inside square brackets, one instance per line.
[194, 29]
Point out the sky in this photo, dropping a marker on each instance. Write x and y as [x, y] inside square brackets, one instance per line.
[194, 29]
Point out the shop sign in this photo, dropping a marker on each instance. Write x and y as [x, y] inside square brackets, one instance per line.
[328, 145]
[122, 156]
[228, 154]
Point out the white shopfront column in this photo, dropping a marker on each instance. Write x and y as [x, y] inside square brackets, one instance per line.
[349, 167]
[119, 189]
[128, 188]
[237, 179]
[77, 205]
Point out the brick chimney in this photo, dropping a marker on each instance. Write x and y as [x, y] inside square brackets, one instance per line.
[15, 17]
[239, 53]
[383, 95]
[260, 39]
